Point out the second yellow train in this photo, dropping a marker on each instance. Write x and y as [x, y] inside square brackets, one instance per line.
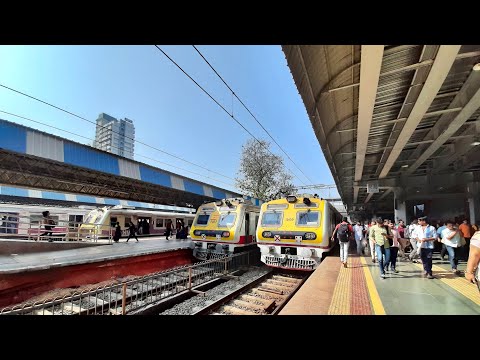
[295, 232]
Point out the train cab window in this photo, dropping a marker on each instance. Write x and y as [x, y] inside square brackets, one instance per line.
[272, 218]
[308, 218]
[202, 219]
[94, 216]
[74, 221]
[127, 221]
[159, 223]
[113, 221]
[226, 219]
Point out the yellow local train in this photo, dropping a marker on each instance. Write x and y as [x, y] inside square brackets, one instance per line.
[224, 227]
[294, 232]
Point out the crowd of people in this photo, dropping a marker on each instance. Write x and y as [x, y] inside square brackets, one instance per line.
[385, 241]
[143, 228]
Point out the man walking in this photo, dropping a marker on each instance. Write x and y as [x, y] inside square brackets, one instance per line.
[343, 231]
[425, 235]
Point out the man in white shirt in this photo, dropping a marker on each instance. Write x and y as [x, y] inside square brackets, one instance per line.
[358, 231]
[451, 238]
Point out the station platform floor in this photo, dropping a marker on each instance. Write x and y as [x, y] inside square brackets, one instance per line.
[25, 275]
[359, 290]
[16, 263]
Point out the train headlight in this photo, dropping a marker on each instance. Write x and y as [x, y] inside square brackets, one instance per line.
[226, 234]
[310, 236]
[197, 233]
[267, 234]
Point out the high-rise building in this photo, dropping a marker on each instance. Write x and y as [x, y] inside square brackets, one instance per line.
[115, 136]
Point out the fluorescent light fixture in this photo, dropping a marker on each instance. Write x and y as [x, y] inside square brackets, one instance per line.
[475, 143]
[476, 67]
[405, 166]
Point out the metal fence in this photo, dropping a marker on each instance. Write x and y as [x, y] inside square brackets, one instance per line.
[25, 227]
[127, 296]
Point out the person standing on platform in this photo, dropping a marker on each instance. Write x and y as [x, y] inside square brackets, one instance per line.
[358, 231]
[118, 232]
[439, 234]
[169, 229]
[413, 242]
[132, 229]
[394, 246]
[373, 253]
[425, 235]
[473, 259]
[48, 223]
[378, 234]
[343, 231]
[466, 230]
[452, 240]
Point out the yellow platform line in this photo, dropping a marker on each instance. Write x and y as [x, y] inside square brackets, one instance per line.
[460, 284]
[340, 304]
[377, 304]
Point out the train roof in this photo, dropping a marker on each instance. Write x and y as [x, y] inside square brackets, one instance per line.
[133, 211]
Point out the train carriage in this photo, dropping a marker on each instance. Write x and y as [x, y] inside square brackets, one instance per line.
[100, 222]
[295, 232]
[25, 221]
[224, 227]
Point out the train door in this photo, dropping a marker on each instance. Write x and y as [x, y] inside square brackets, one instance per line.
[253, 225]
[247, 227]
[143, 225]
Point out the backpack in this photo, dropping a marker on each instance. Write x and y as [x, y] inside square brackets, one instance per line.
[343, 233]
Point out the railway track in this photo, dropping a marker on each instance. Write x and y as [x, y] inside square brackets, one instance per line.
[265, 296]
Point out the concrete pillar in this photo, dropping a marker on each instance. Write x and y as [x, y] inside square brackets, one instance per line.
[400, 207]
[473, 192]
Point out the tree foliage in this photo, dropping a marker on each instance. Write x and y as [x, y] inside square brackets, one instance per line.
[262, 175]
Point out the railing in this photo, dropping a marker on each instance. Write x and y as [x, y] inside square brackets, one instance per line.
[122, 298]
[64, 230]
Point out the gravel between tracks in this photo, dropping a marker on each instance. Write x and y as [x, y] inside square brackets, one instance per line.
[198, 302]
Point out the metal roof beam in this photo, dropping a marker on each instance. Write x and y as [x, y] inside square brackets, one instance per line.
[460, 148]
[367, 199]
[443, 62]
[468, 110]
[372, 56]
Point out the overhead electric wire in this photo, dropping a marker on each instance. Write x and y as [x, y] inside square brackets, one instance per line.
[254, 117]
[102, 126]
[116, 147]
[221, 106]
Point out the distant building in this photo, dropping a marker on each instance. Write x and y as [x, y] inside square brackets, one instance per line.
[115, 136]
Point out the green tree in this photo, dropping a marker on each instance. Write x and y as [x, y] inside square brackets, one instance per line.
[262, 175]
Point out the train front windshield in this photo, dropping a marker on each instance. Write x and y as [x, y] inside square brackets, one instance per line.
[95, 216]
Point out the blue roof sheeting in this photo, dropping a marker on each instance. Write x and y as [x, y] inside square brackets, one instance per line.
[53, 195]
[87, 199]
[112, 202]
[13, 138]
[155, 176]
[79, 155]
[218, 194]
[13, 191]
[193, 187]
[22, 139]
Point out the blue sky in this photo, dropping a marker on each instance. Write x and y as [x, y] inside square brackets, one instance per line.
[169, 111]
